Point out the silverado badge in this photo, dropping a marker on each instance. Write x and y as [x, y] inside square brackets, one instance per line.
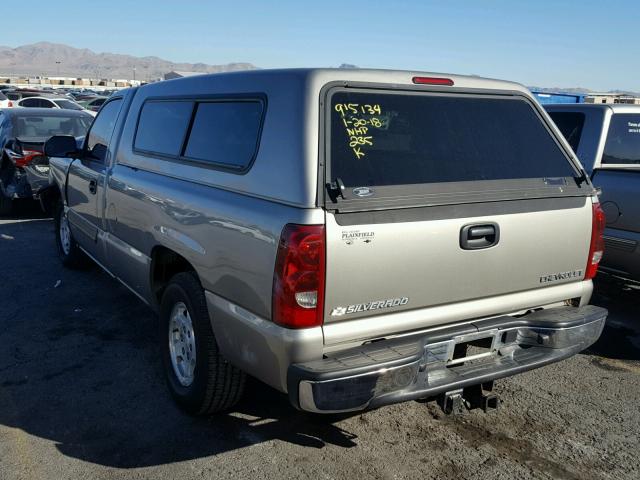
[365, 307]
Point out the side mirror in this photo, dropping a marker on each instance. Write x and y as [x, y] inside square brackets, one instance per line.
[61, 146]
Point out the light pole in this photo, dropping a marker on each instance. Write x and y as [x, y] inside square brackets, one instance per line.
[134, 74]
[58, 62]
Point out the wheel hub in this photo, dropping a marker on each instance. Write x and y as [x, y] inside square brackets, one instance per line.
[182, 344]
[65, 234]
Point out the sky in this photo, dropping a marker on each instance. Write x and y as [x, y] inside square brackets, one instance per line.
[587, 43]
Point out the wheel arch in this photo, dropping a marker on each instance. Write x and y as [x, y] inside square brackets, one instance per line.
[165, 263]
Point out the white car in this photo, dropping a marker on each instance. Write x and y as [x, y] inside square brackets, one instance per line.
[52, 102]
[4, 101]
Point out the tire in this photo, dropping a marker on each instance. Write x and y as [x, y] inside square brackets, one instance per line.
[6, 205]
[69, 252]
[211, 385]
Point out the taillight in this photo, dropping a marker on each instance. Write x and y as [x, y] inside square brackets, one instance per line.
[432, 81]
[298, 280]
[24, 158]
[596, 249]
[10, 104]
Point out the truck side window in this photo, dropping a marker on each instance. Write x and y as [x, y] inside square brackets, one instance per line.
[623, 140]
[162, 126]
[101, 131]
[225, 133]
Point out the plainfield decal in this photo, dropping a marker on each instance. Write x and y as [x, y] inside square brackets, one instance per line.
[365, 307]
[353, 236]
[556, 277]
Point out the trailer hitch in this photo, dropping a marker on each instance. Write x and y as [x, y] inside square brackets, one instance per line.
[456, 402]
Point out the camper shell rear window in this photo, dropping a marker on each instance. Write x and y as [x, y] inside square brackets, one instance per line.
[382, 139]
[405, 146]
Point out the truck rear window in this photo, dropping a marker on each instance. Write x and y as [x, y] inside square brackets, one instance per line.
[623, 140]
[385, 139]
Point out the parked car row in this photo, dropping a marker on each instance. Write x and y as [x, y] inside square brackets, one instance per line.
[32, 98]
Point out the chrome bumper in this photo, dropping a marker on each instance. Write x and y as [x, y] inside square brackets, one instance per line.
[392, 371]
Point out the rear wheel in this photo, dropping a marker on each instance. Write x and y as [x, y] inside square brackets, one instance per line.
[200, 379]
[68, 250]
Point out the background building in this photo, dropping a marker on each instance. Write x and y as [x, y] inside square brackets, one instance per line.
[612, 98]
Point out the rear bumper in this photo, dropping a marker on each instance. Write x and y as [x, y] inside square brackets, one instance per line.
[398, 370]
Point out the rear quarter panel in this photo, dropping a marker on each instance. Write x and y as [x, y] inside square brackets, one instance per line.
[227, 225]
[229, 238]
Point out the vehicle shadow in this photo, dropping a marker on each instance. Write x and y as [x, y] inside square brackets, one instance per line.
[620, 338]
[80, 367]
[25, 209]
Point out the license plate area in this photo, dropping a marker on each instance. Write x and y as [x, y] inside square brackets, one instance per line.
[472, 348]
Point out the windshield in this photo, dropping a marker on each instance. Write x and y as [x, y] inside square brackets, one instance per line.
[46, 126]
[385, 139]
[68, 105]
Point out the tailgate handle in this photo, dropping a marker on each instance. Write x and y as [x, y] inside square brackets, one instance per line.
[478, 236]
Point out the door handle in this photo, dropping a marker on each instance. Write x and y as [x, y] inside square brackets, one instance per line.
[93, 186]
[478, 236]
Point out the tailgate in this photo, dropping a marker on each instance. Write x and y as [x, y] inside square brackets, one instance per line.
[435, 199]
[412, 262]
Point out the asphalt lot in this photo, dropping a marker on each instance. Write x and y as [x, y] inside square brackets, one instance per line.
[82, 396]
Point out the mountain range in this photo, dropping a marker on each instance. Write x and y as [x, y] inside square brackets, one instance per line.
[52, 59]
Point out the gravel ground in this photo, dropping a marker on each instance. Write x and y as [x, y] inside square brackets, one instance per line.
[82, 396]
